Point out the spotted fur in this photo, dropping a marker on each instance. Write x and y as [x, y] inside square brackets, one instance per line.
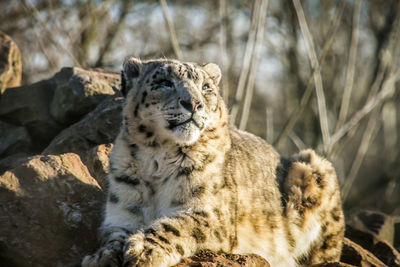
[183, 180]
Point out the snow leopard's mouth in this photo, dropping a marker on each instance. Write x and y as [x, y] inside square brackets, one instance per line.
[172, 124]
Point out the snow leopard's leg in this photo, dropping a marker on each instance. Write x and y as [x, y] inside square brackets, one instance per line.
[313, 200]
[111, 251]
[168, 240]
[122, 219]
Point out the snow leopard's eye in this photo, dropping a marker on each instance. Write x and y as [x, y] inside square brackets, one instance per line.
[166, 83]
[206, 87]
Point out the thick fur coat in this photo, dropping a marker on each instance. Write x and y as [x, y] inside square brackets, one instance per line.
[183, 180]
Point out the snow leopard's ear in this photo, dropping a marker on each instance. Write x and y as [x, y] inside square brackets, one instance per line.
[214, 71]
[131, 69]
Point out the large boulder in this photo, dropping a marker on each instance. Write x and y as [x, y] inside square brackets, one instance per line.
[80, 91]
[13, 138]
[381, 249]
[354, 254]
[28, 106]
[211, 259]
[47, 107]
[101, 126]
[10, 63]
[51, 208]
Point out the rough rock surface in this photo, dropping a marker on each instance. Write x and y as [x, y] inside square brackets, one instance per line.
[79, 91]
[101, 126]
[27, 106]
[12, 161]
[211, 259]
[45, 108]
[13, 138]
[381, 249]
[50, 208]
[355, 255]
[10, 63]
[98, 163]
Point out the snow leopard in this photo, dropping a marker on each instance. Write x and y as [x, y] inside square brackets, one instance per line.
[183, 179]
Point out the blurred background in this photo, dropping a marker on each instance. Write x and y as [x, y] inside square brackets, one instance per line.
[301, 73]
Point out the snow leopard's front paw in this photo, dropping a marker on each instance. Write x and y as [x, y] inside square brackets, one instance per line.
[109, 255]
[144, 251]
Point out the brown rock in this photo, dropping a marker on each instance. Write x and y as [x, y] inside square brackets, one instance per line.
[13, 139]
[51, 208]
[46, 107]
[211, 259]
[98, 163]
[384, 251]
[28, 106]
[378, 224]
[10, 63]
[101, 126]
[354, 254]
[79, 91]
[12, 161]
[333, 264]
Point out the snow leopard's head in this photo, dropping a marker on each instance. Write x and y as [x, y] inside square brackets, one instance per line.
[171, 101]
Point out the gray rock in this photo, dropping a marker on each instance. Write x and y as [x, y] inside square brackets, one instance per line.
[101, 126]
[354, 254]
[10, 162]
[47, 107]
[10, 63]
[51, 209]
[97, 160]
[29, 106]
[13, 139]
[79, 91]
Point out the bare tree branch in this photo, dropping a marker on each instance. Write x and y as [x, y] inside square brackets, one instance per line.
[269, 122]
[222, 46]
[351, 66]
[254, 64]
[297, 141]
[362, 150]
[387, 90]
[323, 116]
[307, 93]
[246, 62]
[43, 25]
[113, 31]
[171, 29]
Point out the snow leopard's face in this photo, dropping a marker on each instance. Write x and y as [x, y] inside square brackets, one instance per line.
[168, 101]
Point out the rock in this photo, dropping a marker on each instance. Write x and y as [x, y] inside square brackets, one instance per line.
[98, 163]
[101, 126]
[51, 208]
[211, 259]
[333, 264]
[12, 161]
[79, 91]
[385, 252]
[355, 255]
[10, 63]
[28, 106]
[376, 223]
[13, 139]
[46, 107]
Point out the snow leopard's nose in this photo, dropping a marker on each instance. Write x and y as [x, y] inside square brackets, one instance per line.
[190, 105]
